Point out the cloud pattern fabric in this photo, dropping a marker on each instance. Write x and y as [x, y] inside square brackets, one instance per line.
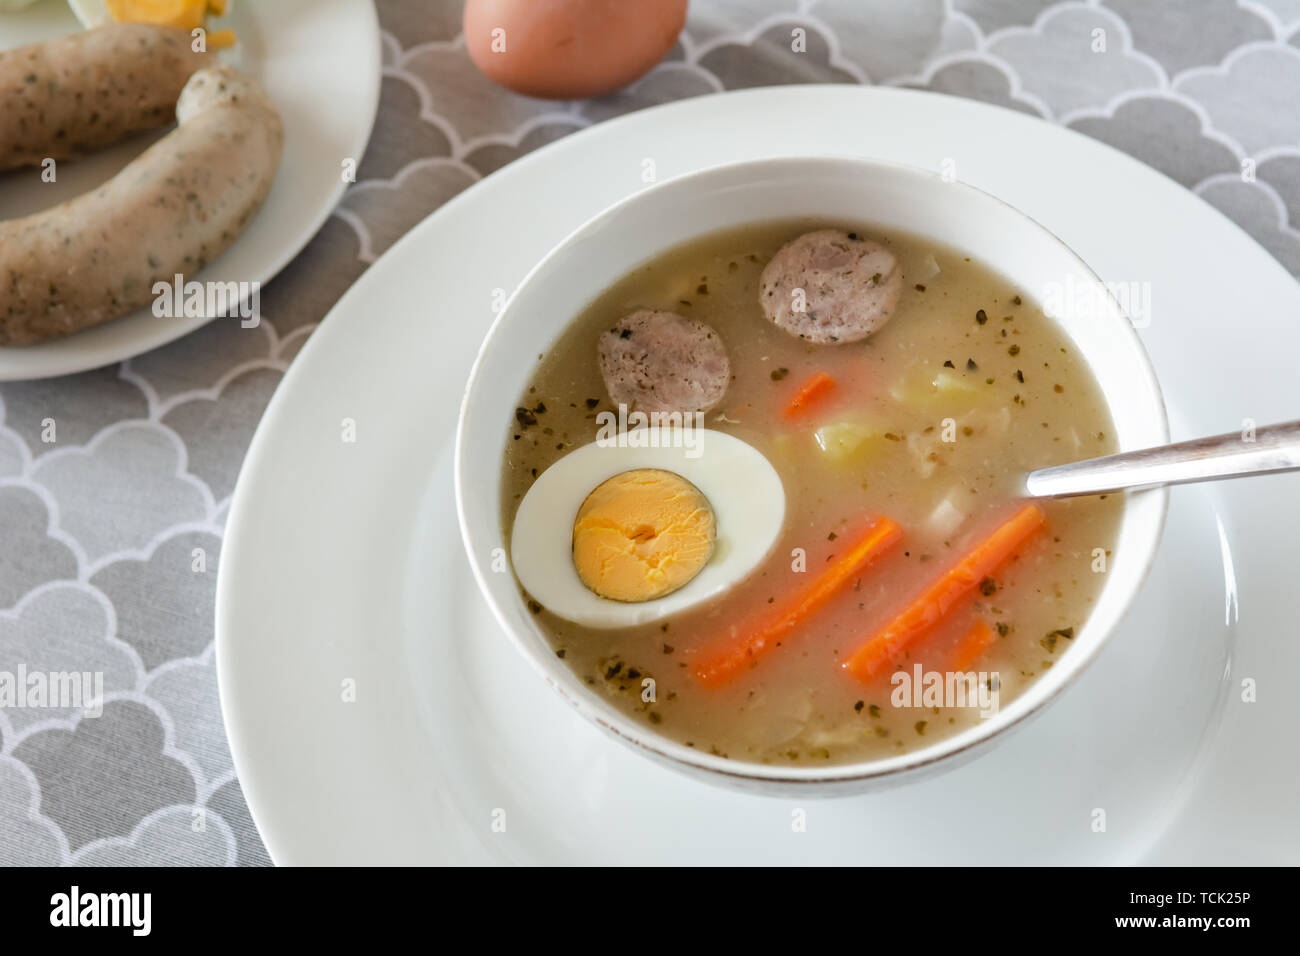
[112, 530]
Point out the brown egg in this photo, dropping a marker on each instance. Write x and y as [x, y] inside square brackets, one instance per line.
[570, 49]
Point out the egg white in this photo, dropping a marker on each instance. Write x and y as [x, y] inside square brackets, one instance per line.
[741, 485]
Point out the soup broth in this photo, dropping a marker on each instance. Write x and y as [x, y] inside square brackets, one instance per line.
[933, 422]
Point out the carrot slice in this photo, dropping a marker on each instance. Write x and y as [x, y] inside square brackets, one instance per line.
[930, 606]
[755, 638]
[810, 393]
[971, 646]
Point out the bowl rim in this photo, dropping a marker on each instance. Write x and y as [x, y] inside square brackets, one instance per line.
[946, 753]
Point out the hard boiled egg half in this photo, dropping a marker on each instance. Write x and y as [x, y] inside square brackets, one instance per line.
[613, 535]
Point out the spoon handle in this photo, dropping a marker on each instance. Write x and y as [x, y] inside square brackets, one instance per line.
[1234, 455]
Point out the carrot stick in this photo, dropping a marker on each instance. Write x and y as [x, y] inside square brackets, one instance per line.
[930, 606]
[755, 638]
[810, 393]
[970, 647]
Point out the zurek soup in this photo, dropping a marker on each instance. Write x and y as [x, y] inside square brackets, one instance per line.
[764, 493]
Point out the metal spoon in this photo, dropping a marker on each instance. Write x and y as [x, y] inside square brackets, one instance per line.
[1234, 455]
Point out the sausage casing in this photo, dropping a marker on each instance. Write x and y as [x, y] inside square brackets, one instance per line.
[78, 93]
[170, 212]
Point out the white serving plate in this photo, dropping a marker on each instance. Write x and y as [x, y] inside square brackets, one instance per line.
[342, 562]
[319, 61]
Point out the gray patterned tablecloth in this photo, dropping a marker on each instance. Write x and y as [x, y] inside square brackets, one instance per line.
[111, 534]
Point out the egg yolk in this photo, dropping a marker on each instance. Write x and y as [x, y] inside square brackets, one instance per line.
[642, 534]
[181, 14]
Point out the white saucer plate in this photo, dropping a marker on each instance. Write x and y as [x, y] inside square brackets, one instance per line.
[342, 574]
[319, 61]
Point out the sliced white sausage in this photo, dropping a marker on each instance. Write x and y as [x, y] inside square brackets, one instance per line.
[661, 362]
[830, 286]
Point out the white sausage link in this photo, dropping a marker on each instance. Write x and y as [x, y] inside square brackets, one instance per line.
[171, 211]
[78, 93]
